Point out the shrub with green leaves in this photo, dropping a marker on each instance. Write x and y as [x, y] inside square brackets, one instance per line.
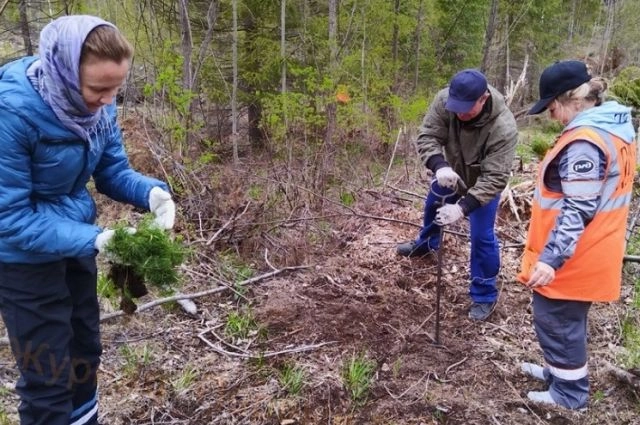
[626, 87]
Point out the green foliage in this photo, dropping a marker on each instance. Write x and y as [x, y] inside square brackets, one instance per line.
[106, 289]
[4, 418]
[292, 378]
[150, 251]
[186, 378]
[461, 27]
[631, 338]
[540, 146]
[135, 358]
[598, 396]
[168, 85]
[347, 198]
[410, 110]
[357, 377]
[233, 268]
[240, 325]
[626, 87]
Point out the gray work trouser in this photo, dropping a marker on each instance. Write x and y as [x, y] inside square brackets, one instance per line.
[561, 327]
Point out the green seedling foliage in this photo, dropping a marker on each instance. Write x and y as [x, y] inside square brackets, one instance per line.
[292, 378]
[347, 199]
[540, 146]
[357, 377]
[184, 381]
[151, 253]
[240, 324]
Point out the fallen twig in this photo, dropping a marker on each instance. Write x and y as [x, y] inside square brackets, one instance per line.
[393, 154]
[165, 300]
[454, 365]
[406, 192]
[625, 376]
[246, 355]
[227, 224]
[398, 397]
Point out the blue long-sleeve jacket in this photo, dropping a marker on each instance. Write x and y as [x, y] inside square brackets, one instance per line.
[46, 210]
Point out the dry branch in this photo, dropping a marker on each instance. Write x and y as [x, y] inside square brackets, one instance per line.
[160, 301]
[261, 355]
[624, 376]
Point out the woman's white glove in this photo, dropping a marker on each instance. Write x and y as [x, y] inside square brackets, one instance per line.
[162, 207]
[447, 178]
[105, 237]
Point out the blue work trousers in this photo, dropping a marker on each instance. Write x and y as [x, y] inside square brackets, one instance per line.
[485, 251]
[52, 318]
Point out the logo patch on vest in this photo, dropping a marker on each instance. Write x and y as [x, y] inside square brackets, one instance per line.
[583, 166]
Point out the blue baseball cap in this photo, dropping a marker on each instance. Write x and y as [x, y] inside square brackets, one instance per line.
[558, 78]
[465, 88]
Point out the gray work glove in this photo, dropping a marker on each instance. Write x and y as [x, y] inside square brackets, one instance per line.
[447, 214]
[447, 178]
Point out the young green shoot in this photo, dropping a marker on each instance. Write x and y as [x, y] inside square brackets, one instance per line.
[357, 376]
[292, 378]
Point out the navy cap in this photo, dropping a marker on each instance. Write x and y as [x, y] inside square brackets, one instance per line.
[559, 78]
[466, 87]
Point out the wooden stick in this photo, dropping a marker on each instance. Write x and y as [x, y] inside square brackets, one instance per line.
[300, 349]
[393, 156]
[160, 301]
[627, 377]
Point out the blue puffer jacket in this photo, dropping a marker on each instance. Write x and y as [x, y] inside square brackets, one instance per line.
[46, 211]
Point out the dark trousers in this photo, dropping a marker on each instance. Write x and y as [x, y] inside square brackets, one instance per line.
[51, 313]
[485, 250]
[561, 327]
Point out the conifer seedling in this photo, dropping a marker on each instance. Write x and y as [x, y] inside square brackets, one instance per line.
[147, 257]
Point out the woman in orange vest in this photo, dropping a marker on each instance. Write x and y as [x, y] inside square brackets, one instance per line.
[576, 239]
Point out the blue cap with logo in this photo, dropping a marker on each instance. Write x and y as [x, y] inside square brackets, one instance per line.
[558, 78]
[466, 87]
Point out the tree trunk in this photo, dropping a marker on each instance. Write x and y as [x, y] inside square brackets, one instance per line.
[418, 44]
[24, 27]
[607, 36]
[394, 45]
[327, 157]
[488, 35]
[572, 20]
[283, 47]
[186, 43]
[254, 109]
[234, 90]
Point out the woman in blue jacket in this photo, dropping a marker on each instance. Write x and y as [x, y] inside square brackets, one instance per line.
[58, 129]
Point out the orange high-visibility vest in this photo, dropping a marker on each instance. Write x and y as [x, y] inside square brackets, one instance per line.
[594, 272]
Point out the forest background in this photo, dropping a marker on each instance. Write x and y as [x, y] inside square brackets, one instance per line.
[278, 122]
